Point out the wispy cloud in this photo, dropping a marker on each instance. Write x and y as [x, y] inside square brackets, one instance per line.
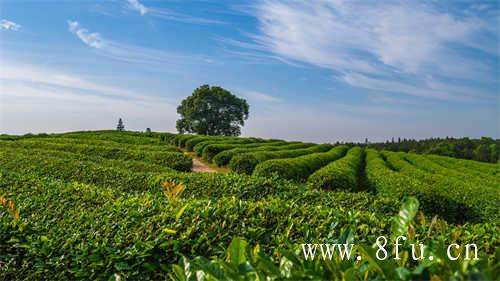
[136, 5]
[131, 53]
[27, 74]
[397, 41]
[41, 99]
[259, 96]
[168, 14]
[9, 25]
[91, 39]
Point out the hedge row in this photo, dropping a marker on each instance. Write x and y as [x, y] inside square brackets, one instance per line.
[123, 175]
[174, 160]
[246, 162]
[181, 139]
[472, 200]
[224, 157]
[463, 174]
[211, 150]
[79, 231]
[116, 136]
[438, 195]
[343, 174]
[299, 168]
[191, 143]
[479, 168]
[198, 148]
[97, 142]
[389, 182]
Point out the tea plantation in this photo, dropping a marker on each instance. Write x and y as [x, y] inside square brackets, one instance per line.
[106, 205]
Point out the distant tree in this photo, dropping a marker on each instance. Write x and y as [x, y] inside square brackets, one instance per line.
[482, 153]
[120, 127]
[494, 152]
[148, 130]
[212, 111]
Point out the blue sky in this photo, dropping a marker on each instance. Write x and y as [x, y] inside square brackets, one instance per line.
[318, 70]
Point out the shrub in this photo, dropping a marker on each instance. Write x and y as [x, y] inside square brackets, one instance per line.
[181, 139]
[174, 160]
[246, 162]
[73, 231]
[224, 157]
[226, 140]
[390, 175]
[298, 168]
[342, 174]
[469, 200]
[211, 150]
[192, 142]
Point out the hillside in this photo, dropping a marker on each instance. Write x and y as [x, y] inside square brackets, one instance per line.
[111, 205]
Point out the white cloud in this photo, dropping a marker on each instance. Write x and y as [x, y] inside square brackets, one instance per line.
[181, 17]
[136, 5]
[39, 99]
[132, 53]
[258, 96]
[168, 14]
[9, 25]
[349, 35]
[389, 39]
[362, 81]
[91, 39]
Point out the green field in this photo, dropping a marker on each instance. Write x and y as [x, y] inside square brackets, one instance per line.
[125, 205]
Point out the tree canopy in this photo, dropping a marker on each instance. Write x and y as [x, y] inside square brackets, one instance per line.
[120, 126]
[212, 111]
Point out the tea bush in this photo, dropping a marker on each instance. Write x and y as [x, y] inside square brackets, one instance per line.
[240, 261]
[299, 168]
[174, 160]
[79, 231]
[435, 198]
[67, 213]
[470, 200]
[201, 146]
[343, 174]
[246, 162]
[210, 150]
[224, 157]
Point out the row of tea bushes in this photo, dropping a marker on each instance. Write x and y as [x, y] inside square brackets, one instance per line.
[474, 200]
[200, 147]
[223, 158]
[97, 142]
[469, 176]
[128, 137]
[299, 168]
[467, 166]
[124, 175]
[343, 174]
[174, 160]
[246, 162]
[388, 182]
[390, 175]
[287, 264]
[198, 142]
[211, 150]
[73, 231]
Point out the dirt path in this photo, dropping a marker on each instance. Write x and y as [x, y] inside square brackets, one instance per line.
[199, 166]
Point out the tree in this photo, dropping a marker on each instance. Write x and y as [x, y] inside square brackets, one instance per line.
[120, 127]
[482, 153]
[212, 111]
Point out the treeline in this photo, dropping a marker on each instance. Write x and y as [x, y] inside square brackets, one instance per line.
[484, 149]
